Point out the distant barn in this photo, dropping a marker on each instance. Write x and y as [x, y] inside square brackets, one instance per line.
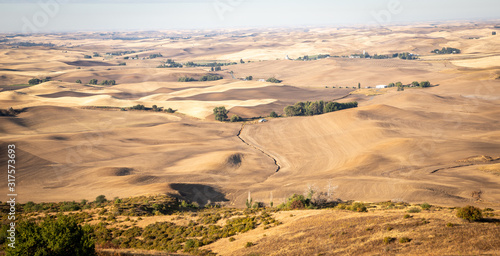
[381, 86]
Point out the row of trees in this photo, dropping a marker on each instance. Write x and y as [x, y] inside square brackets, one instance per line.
[447, 50]
[422, 84]
[154, 108]
[95, 82]
[209, 77]
[35, 81]
[402, 55]
[316, 108]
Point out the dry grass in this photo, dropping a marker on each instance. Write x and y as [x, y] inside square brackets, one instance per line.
[338, 232]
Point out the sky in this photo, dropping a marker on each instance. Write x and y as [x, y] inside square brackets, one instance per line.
[41, 16]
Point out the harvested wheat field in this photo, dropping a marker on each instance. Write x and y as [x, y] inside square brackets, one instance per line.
[128, 114]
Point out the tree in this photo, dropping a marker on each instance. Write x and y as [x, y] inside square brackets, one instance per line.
[359, 85]
[241, 61]
[93, 81]
[249, 78]
[391, 85]
[235, 118]
[470, 213]
[58, 236]
[220, 113]
[101, 199]
[425, 84]
[185, 79]
[273, 80]
[273, 114]
[415, 84]
[34, 81]
[399, 84]
[78, 81]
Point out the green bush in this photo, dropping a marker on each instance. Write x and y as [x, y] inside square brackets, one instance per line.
[249, 244]
[100, 199]
[425, 206]
[470, 213]
[404, 239]
[388, 240]
[407, 216]
[358, 207]
[53, 236]
[414, 210]
[236, 118]
[273, 114]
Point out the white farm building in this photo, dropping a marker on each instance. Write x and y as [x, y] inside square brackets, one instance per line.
[381, 86]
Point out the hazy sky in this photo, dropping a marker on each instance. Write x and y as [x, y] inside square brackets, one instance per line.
[113, 15]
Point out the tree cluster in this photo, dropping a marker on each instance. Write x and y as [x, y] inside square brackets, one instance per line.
[155, 55]
[185, 79]
[108, 82]
[211, 77]
[447, 50]
[273, 80]
[35, 81]
[316, 108]
[170, 64]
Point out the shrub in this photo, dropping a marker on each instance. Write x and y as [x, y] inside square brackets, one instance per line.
[358, 207]
[413, 210]
[78, 81]
[249, 244]
[273, 114]
[53, 236]
[470, 213]
[404, 239]
[407, 216]
[426, 206]
[169, 110]
[93, 81]
[100, 199]
[450, 225]
[388, 240]
[236, 118]
[232, 239]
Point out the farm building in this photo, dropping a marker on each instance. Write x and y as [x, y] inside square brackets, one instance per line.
[381, 86]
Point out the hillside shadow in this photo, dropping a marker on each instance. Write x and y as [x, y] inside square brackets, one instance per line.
[202, 194]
